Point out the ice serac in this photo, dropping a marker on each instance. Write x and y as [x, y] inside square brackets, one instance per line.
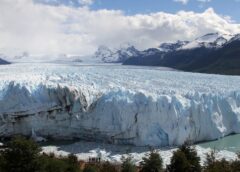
[106, 105]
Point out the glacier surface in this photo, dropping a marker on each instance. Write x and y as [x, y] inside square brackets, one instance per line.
[117, 104]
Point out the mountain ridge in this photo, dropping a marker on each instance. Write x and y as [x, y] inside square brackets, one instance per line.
[219, 54]
[2, 61]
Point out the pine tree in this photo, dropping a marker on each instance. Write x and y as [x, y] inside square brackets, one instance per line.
[127, 165]
[153, 163]
[185, 159]
[213, 165]
[21, 155]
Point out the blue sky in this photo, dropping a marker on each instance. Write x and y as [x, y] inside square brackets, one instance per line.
[130, 7]
[225, 7]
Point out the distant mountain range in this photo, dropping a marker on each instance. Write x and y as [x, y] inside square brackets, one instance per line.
[106, 55]
[2, 61]
[211, 53]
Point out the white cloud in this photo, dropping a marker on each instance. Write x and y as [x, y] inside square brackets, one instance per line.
[182, 1]
[86, 2]
[38, 28]
[73, 3]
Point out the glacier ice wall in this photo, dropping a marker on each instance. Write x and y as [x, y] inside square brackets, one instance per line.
[119, 105]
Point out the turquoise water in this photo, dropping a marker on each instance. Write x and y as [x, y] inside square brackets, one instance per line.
[230, 143]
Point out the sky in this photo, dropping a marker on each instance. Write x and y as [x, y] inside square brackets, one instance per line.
[81, 26]
[130, 7]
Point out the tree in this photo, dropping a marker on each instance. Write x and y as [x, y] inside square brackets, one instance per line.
[107, 167]
[236, 163]
[185, 159]
[213, 165]
[127, 165]
[153, 163]
[52, 164]
[21, 155]
[90, 168]
[179, 162]
[72, 163]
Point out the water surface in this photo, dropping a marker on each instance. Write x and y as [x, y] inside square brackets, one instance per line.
[230, 143]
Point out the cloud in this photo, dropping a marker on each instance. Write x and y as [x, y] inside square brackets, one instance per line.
[182, 1]
[45, 29]
[73, 3]
[86, 2]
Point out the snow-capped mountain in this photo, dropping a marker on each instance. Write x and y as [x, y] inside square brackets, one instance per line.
[166, 47]
[24, 55]
[2, 60]
[211, 40]
[211, 53]
[107, 55]
[234, 38]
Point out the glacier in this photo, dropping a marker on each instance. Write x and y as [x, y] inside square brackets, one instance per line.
[117, 104]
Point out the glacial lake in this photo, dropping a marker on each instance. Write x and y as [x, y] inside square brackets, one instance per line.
[230, 143]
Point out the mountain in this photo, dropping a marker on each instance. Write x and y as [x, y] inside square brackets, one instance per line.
[211, 53]
[3, 62]
[225, 60]
[107, 55]
[211, 40]
[167, 47]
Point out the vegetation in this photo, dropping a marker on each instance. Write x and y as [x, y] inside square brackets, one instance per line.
[127, 165]
[185, 159]
[90, 168]
[21, 155]
[106, 166]
[153, 163]
[214, 165]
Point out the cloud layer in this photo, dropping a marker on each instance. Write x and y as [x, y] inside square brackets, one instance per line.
[72, 3]
[45, 29]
